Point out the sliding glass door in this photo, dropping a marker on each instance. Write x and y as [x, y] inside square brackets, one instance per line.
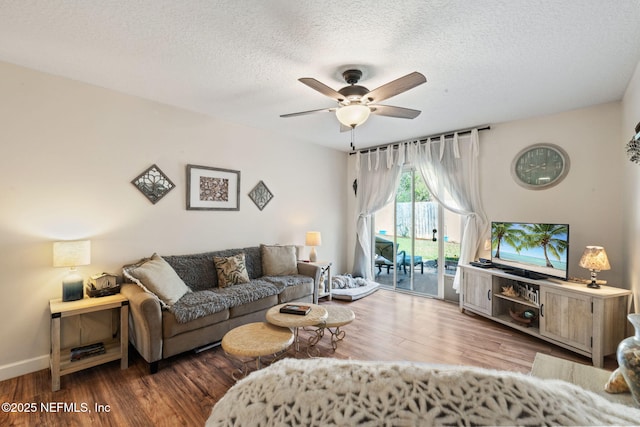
[416, 243]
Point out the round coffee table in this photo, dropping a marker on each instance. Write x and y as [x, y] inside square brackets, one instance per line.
[337, 316]
[255, 340]
[316, 316]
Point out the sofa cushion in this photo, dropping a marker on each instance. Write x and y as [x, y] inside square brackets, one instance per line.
[195, 305]
[262, 304]
[156, 276]
[245, 293]
[231, 270]
[283, 282]
[171, 327]
[291, 288]
[279, 260]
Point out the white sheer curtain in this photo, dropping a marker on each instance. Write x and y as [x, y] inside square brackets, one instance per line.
[450, 170]
[378, 175]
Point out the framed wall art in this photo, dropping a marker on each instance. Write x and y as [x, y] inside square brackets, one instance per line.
[153, 183]
[212, 189]
[261, 195]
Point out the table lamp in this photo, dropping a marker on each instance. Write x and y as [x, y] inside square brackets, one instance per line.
[594, 258]
[72, 254]
[313, 239]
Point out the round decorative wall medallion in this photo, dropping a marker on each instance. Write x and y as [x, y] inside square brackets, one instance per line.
[540, 166]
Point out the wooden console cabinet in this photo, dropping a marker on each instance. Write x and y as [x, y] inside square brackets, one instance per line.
[591, 322]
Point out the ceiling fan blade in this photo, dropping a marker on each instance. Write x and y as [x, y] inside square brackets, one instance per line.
[399, 112]
[322, 88]
[301, 113]
[395, 87]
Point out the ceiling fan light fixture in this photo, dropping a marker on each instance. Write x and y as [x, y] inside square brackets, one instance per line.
[353, 115]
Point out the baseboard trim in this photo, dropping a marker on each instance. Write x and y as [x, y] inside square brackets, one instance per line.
[23, 367]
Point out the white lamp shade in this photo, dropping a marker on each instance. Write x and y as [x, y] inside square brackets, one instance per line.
[595, 258]
[313, 238]
[71, 254]
[353, 115]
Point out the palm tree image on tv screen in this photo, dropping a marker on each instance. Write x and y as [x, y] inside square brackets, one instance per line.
[528, 247]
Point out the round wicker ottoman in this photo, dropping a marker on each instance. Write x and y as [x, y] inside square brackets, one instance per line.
[255, 340]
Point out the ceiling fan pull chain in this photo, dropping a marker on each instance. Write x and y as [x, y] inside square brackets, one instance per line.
[353, 145]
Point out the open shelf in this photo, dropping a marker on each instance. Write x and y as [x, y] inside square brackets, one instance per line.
[507, 320]
[112, 352]
[518, 300]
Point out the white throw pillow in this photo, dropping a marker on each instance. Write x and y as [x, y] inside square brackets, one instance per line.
[155, 275]
[279, 260]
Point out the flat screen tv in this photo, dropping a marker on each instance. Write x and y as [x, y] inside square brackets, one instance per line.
[530, 249]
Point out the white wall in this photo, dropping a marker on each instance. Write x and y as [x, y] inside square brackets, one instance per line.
[631, 117]
[69, 152]
[589, 199]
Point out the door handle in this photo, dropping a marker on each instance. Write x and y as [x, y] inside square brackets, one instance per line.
[489, 294]
[433, 235]
[541, 310]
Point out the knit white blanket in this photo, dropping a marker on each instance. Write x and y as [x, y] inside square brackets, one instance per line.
[340, 392]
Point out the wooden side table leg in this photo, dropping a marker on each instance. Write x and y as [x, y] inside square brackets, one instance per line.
[55, 352]
[124, 335]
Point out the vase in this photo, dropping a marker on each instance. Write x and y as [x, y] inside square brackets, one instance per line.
[628, 355]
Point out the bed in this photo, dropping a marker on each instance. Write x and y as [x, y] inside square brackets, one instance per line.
[347, 288]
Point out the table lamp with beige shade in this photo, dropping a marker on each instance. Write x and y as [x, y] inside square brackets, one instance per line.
[72, 254]
[594, 258]
[313, 239]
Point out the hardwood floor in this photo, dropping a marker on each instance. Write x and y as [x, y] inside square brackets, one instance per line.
[388, 326]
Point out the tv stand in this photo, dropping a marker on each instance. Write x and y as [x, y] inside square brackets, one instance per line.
[590, 322]
[523, 273]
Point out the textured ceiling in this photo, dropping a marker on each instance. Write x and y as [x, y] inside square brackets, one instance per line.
[239, 60]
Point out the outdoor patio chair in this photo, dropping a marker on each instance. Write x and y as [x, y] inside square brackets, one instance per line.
[415, 261]
[385, 252]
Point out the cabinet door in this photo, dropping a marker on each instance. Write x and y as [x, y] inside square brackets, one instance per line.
[566, 316]
[476, 291]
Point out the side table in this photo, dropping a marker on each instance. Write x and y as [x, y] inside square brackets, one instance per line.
[324, 287]
[117, 348]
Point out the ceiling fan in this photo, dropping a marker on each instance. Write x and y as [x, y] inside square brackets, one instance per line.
[356, 102]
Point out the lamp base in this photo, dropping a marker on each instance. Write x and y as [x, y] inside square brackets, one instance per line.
[594, 277]
[313, 257]
[72, 288]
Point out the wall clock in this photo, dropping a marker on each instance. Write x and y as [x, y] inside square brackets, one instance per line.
[540, 166]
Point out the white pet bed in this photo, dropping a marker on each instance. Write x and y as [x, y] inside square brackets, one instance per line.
[357, 288]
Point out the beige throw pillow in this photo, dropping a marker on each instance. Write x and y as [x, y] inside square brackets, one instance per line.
[279, 260]
[231, 270]
[155, 275]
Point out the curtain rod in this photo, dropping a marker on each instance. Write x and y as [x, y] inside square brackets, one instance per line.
[422, 139]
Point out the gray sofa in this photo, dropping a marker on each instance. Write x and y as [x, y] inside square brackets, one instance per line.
[166, 320]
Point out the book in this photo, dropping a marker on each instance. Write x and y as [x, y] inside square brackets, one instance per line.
[79, 353]
[295, 309]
